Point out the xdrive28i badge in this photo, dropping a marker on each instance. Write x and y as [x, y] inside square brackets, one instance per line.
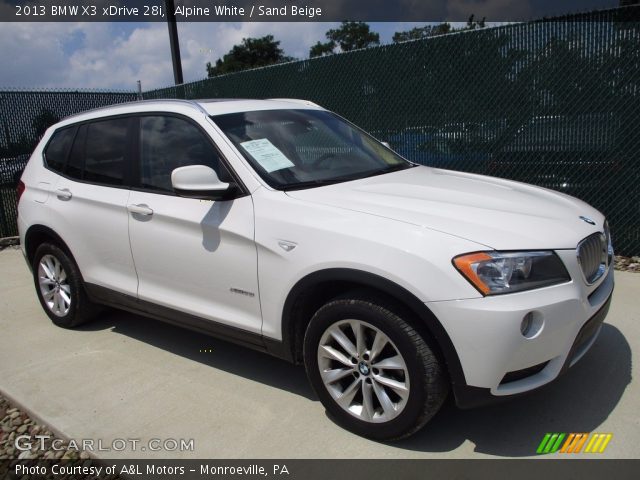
[588, 220]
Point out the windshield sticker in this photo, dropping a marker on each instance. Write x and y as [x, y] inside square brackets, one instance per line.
[267, 155]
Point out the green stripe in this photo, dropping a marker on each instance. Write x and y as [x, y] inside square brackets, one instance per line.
[543, 443]
[547, 449]
[555, 448]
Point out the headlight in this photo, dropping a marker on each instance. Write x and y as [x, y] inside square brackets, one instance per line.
[493, 273]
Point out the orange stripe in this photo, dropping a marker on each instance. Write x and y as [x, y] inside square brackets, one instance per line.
[579, 446]
[566, 444]
[576, 439]
[464, 262]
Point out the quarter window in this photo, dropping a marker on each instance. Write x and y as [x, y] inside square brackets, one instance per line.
[167, 143]
[56, 152]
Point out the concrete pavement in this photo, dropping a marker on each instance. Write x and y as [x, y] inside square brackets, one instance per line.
[128, 377]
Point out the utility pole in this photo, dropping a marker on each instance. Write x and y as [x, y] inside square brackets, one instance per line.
[173, 40]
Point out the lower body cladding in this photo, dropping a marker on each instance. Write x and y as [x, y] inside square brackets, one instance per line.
[514, 343]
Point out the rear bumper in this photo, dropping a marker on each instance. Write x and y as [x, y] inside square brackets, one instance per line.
[470, 397]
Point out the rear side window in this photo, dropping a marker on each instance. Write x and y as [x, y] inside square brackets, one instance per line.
[167, 143]
[56, 152]
[105, 151]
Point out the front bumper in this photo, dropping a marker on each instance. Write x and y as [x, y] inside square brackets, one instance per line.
[497, 360]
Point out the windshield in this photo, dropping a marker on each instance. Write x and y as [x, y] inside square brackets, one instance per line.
[293, 149]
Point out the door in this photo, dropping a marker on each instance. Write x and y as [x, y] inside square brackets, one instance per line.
[195, 256]
[90, 204]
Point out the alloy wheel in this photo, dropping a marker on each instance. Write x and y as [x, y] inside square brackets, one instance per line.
[54, 286]
[363, 371]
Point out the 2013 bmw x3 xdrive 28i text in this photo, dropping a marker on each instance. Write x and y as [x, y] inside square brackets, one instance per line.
[278, 225]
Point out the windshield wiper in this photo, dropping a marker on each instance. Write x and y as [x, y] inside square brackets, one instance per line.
[394, 168]
[314, 183]
[346, 178]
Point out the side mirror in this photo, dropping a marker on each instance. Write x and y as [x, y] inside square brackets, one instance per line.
[199, 181]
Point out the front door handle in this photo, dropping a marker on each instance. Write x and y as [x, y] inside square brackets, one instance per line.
[64, 194]
[140, 209]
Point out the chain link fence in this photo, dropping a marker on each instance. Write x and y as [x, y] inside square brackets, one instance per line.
[555, 103]
[24, 117]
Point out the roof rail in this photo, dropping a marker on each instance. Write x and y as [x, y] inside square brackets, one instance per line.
[191, 103]
[296, 100]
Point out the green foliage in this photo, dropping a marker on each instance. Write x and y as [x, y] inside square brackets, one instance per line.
[429, 31]
[44, 120]
[349, 36]
[418, 33]
[251, 53]
[321, 49]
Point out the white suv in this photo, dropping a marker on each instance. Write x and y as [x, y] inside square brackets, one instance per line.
[280, 226]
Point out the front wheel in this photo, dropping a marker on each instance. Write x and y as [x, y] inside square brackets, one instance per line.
[374, 373]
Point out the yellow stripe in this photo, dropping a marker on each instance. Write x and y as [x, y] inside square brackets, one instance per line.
[598, 442]
[590, 444]
[567, 443]
[606, 442]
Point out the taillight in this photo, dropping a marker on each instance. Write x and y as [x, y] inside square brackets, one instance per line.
[20, 189]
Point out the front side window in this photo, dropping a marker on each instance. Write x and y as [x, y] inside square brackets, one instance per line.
[105, 151]
[56, 152]
[167, 143]
[293, 149]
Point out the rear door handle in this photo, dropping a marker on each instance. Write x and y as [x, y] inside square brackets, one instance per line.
[141, 209]
[64, 194]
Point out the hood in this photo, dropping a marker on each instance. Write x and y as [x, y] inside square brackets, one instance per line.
[500, 214]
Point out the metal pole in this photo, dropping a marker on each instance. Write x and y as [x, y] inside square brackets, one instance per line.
[173, 40]
[139, 90]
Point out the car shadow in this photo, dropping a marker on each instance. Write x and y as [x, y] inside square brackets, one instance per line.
[579, 401]
[254, 365]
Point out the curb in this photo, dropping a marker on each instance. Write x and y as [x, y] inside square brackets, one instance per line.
[9, 241]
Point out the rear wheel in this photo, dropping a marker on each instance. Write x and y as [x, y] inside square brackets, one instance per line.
[59, 287]
[374, 373]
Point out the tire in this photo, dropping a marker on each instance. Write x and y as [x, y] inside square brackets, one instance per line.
[59, 287]
[405, 370]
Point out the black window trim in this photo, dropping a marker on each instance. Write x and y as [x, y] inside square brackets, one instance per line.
[80, 136]
[126, 179]
[131, 179]
[73, 127]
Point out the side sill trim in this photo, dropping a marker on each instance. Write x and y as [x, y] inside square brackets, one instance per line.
[111, 298]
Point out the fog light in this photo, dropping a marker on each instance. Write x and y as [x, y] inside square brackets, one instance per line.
[532, 324]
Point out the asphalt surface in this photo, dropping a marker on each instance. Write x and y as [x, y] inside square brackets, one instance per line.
[127, 377]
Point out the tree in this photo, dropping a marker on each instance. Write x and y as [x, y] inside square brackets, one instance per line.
[429, 31]
[321, 49]
[350, 36]
[473, 24]
[251, 53]
[43, 120]
[418, 33]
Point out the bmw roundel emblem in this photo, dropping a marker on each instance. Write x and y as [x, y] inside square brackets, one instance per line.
[588, 220]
